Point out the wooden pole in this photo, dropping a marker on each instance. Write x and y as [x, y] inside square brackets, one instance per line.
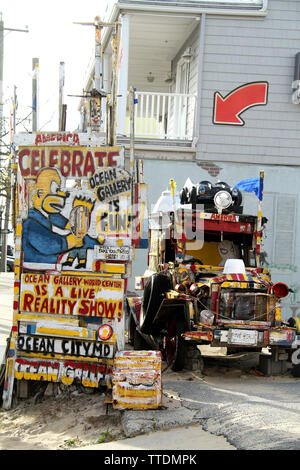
[61, 95]
[113, 103]
[35, 103]
[259, 219]
[131, 108]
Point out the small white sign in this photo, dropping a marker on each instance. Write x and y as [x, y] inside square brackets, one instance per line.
[114, 253]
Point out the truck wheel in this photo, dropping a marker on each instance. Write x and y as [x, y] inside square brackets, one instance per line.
[175, 345]
[131, 330]
[156, 287]
[296, 370]
[193, 359]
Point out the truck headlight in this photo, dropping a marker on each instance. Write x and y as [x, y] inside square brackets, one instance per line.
[222, 200]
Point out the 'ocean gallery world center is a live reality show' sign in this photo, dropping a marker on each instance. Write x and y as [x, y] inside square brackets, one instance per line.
[72, 295]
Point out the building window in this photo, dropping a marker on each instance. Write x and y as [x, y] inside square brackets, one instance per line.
[283, 253]
[278, 250]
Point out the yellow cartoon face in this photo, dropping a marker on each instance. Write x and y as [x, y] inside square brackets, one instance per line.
[48, 195]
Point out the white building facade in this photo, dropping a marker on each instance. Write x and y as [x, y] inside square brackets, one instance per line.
[217, 89]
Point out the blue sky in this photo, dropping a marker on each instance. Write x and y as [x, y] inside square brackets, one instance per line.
[52, 38]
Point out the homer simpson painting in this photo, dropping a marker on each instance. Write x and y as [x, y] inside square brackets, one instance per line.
[47, 236]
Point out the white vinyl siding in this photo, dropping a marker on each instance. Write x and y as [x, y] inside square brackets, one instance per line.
[243, 50]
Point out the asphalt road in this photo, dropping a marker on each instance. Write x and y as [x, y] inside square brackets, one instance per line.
[251, 412]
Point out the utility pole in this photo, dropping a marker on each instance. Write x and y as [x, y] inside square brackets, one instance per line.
[35, 100]
[98, 77]
[112, 102]
[8, 186]
[14, 162]
[97, 93]
[61, 114]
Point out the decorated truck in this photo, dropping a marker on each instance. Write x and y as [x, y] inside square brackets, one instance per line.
[204, 284]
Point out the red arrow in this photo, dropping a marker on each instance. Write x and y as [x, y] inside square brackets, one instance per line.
[228, 109]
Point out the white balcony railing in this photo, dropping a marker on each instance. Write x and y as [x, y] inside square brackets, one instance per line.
[163, 116]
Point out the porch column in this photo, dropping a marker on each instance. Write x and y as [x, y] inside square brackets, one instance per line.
[106, 72]
[123, 74]
[201, 42]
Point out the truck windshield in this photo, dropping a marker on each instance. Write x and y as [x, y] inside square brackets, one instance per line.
[240, 305]
[214, 252]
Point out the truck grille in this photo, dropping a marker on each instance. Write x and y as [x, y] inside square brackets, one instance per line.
[240, 305]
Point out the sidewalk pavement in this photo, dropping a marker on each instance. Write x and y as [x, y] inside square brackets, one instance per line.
[183, 438]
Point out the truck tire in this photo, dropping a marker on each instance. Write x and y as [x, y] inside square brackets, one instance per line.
[295, 370]
[193, 359]
[131, 330]
[156, 287]
[139, 344]
[175, 345]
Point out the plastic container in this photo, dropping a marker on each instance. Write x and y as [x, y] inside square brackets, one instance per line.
[234, 266]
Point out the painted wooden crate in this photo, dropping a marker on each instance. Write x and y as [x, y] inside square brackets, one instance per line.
[137, 380]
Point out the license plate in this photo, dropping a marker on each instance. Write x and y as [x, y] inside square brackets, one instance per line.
[245, 337]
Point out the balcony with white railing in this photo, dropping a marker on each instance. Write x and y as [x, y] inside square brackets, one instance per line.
[168, 116]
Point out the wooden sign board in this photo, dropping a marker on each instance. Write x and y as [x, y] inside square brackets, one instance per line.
[115, 253]
[73, 240]
[68, 371]
[71, 347]
[72, 295]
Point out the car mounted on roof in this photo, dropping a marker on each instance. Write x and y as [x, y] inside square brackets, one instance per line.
[209, 288]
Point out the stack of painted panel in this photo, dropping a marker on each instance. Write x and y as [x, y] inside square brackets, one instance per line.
[137, 380]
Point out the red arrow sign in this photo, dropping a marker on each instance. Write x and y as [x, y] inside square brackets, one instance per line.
[228, 109]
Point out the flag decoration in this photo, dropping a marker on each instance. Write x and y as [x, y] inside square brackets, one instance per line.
[252, 185]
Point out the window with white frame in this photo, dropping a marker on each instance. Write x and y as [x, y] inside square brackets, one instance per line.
[279, 235]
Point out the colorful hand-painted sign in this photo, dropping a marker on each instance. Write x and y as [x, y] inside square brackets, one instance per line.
[122, 253]
[72, 295]
[89, 374]
[228, 110]
[64, 225]
[110, 184]
[137, 380]
[73, 244]
[72, 162]
[71, 347]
